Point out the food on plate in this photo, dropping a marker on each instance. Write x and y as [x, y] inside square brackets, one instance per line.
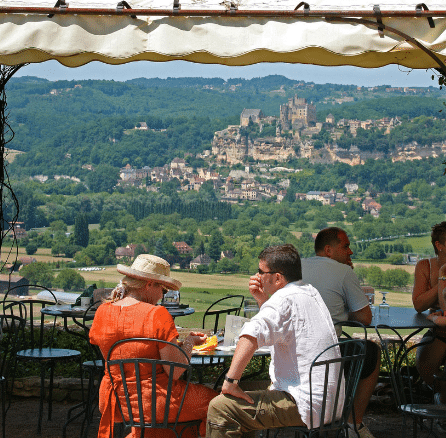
[210, 344]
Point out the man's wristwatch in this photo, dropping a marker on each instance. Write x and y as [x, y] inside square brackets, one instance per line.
[228, 379]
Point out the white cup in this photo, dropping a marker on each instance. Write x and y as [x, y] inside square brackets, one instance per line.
[85, 301]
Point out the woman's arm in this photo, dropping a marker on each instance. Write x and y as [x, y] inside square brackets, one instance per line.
[172, 354]
[441, 287]
[423, 296]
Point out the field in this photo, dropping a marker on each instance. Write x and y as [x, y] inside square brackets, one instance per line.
[201, 290]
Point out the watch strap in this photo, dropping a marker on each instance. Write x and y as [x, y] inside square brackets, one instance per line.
[228, 379]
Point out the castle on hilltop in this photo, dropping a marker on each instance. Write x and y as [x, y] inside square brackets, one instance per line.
[297, 113]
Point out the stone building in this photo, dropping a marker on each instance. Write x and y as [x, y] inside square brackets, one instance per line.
[297, 113]
[255, 115]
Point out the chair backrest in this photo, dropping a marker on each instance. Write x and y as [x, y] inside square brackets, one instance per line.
[232, 306]
[12, 331]
[346, 371]
[352, 324]
[17, 308]
[139, 408]
[36, 319]
[398, 362]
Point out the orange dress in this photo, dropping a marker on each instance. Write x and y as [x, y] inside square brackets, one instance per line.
[112, 323]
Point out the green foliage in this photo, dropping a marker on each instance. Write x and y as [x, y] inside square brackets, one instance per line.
[38, 273]
[69, 279]
[31, 248]
[81, 232]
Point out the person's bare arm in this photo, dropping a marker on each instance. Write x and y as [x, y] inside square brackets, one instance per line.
[364, 315]
[423, 296]
[172, 354]
[442, 287]
[246, 347]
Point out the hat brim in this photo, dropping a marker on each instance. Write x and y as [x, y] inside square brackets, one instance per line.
[171, 283]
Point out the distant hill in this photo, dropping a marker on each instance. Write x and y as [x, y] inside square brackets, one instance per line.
[65, 125]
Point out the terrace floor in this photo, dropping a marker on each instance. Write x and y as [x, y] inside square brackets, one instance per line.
[383, 421]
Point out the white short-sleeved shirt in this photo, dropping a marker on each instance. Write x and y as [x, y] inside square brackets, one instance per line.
[296, 325]
[338, 285]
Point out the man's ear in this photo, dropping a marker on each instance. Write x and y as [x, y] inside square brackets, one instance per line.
[328, 250]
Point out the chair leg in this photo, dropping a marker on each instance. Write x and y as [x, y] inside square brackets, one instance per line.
[42, 396]
[3, 389]
[50, 391]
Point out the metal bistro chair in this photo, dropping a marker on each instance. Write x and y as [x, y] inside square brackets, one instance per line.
[94, 367]
[127, 391]
[40, 348]
[349, 366]
[396, 355]
[12, 330]
[213, 314]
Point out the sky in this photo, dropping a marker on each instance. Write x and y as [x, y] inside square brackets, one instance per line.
[393, 75]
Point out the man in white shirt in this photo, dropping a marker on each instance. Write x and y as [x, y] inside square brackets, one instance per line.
[295, 323]
[331, 273]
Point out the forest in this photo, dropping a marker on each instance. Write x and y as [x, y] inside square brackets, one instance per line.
[62, 126]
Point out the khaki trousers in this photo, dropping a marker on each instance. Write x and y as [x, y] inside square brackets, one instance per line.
[230, 416]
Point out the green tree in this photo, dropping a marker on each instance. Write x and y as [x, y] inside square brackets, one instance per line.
[69, 279]
[215, 244]
[375, 276]
[374, 251]
[81, 233]
[31, 248]
[38, 273]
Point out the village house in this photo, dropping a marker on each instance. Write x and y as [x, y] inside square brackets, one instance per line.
[183, 247]
[255, 115]
[125, 252]
[19, 283]
[202, 259]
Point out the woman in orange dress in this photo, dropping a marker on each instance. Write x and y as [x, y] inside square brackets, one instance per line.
[131, 313]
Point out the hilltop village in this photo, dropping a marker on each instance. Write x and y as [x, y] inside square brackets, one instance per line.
[254, 159]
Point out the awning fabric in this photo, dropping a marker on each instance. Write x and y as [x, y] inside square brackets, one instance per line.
[74, 40]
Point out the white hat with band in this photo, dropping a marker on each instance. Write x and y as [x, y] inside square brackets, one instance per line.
[150, 267]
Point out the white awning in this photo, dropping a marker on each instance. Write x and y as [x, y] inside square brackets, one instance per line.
[74, 40]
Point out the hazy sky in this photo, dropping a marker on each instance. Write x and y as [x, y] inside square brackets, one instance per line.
[392, 75]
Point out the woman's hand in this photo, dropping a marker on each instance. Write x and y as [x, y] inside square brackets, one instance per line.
[437, 318]
[196, 338]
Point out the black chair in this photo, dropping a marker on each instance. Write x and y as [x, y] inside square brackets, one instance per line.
[349, 366]
[397, 356]
[12, 329]
[139, 415]
[39, 348]
[94, 368]
[212, 318]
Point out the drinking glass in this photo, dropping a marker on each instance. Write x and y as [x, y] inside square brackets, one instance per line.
[236, 327]
[371, 297]
[384, 305]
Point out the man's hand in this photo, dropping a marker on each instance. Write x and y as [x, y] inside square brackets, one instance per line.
[256, 289]
[437, 318]
[236, 391]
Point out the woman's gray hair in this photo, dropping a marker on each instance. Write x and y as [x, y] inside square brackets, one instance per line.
[126, 285]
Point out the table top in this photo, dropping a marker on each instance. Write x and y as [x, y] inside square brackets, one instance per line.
[66, 311]
[402, 318]
[228, 353]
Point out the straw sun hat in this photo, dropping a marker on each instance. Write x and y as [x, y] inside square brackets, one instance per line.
[150, 267]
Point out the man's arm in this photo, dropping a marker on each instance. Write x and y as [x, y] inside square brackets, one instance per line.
[364, 315]
[246, 347]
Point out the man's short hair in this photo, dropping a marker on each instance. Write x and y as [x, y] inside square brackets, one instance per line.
[438, 234]
[284, 259]
[327, 236]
